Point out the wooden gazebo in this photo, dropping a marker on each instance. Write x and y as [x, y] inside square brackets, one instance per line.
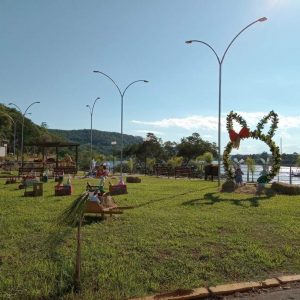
[57, 167]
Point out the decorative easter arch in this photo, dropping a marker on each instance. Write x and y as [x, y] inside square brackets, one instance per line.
[255, 134]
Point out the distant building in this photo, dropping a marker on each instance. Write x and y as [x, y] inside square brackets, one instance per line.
[3, 148]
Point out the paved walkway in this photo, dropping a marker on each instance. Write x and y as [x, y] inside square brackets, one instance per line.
[289, 294]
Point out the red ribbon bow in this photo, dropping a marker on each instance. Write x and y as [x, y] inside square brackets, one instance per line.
[235, 137]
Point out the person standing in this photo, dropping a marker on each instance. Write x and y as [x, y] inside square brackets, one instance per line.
[239, 176]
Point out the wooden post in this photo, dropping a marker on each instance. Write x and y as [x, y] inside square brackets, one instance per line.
[76, 158]
[290, 174]
[56, 158]
[43, 151]
[77, 282]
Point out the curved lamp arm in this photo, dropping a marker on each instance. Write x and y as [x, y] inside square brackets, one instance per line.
[110, 80]
[30, 106]
[258, 20]
[92, 108]
[98, 98]
[208, 45]
[89, 108]
[141, 80]
[15, 106]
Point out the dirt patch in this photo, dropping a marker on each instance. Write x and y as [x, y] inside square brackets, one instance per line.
[246, 189]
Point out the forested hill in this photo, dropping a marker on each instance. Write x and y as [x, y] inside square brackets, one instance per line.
[101, 139]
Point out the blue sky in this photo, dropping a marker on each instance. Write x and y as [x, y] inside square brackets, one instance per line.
[50, 48]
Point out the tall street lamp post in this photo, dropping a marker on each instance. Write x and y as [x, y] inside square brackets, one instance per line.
[122, 97]
[91, 113]
[113, 153]
[23, 119]
[220, 61]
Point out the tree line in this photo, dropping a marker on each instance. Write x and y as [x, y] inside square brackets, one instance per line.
[140, 153]
[153, 151]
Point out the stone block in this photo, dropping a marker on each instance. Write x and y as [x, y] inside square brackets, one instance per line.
[270, 282]
[288, 279]
[234, 287]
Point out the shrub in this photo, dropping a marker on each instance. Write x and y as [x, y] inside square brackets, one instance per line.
[228, 186]
[207, 157]
[285, 188]
[132, 179]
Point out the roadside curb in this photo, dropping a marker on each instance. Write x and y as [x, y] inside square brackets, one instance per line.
[222, 290]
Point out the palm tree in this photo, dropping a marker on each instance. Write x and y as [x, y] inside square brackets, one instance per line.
[175, 161]
[208, 157]
[250, 166]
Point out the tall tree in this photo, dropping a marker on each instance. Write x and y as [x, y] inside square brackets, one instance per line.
[193, 146]
[169, 150]
[151, 147]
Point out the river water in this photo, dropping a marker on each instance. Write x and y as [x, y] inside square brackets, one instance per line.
[284, 174]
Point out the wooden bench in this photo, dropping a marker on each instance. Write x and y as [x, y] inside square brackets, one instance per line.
[58, 171]
[30, 170]
[162, 171]
[183, 172]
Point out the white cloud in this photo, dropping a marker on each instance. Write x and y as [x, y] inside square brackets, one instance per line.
[211, 122]
[147, 131]
[208, 126]
[189, 123]
[252, 118]
[289, 122]
[284, 121]
[284, 134]
[207, 136]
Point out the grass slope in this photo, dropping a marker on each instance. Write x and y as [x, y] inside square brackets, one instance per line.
[182, 234]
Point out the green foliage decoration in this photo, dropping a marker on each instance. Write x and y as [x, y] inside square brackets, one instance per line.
[258, 135]
[74, 212]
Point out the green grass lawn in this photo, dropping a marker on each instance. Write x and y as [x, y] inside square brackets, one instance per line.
[181, 234]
